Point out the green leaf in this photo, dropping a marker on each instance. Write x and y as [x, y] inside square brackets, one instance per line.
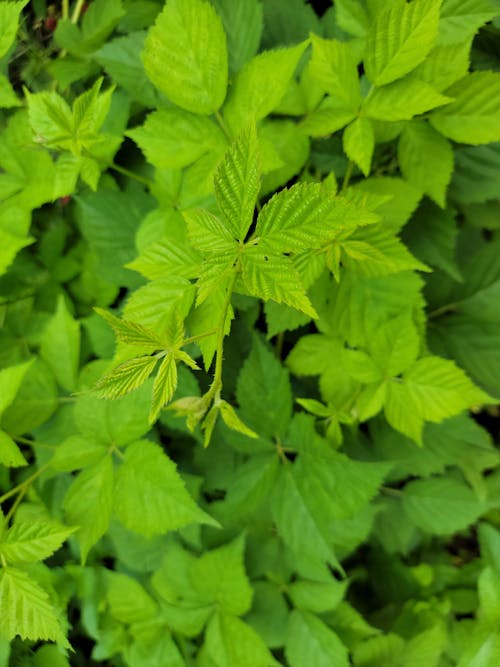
[299, 218]
[269, 276]
[126, 377]
[461, 20]
[489, 596]
[309, 641]
[445, 65]
[164, 386]
[359, 142]
[395, 345]
[98, 23]
[77, 452]
[150, 497]
[441, 505]
[264, 393]
[10, 454]
[237, 183]
[89, 502]
[219, 578]
[432, 390]
[327, 118]
[317, 596]
[9, 19]
[128, 601]
[242, 23]
[230, 642]
[185, 56]
[232, 420]
[400, 38]
[433, 175]
[403, 99]
[10, 381]
[352, 17]
[474, 116]
[304, 529]
[120, 58]
[27, 611]
[8, 97]
[51, 119]
[172, 138]
[131, 333]
[334, 66]
[60, 346]
[260, 86]
[31, 541]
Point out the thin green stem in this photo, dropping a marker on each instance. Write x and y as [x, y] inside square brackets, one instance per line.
[216, 386]
[131, 174]
[27, 482]
[223, 125]
[15, 505]
[279, 344]
[347, 177]
[77, 11]
[193, 339]
[442, 310]
[65, 9]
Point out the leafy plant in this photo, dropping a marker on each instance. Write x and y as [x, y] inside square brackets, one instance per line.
[249, 269]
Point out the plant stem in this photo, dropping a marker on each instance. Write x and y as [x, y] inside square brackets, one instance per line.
[347, 177]
[216, 386]
[442, 310]
[24, 485]
[223, 125]
[193, 339]
[65, 9]
[77, 11]
[131, 174]
[279, 344]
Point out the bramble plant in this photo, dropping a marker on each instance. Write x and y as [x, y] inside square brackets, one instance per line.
[250, 349]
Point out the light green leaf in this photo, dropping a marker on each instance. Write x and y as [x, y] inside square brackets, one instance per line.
[260, 86]
[167, 257]
[9, 19]
[185, 55]
[150, 497]
[249, 487]
[334, 66]
[60, 346]
[128, 601]
[242, 23]
[98, 23]
[317, 596]
[299, 218]
[237, 183]
[232, 420]
[395, 345]
[26, 609]
[77, 452]
[403, 99]
[400, 38]
[126, 377]
[441, 505]
[219, 578]
[216, 272]
[164, 385]
[329, 117]
[89, 502]
[445, 65]
[129, 332]
[31, 541]
[474, 116]
[359, 142]
[230, 642]
[310, 641]
[352, 17]
[10, 454]
[461, 19]
[51, 119]
[387, 649]
[269, 276]
[10, 381]
[433, 174]
[207, 233]
[8, 97]
[172, 138]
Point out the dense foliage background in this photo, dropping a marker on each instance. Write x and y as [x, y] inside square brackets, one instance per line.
[240, 428]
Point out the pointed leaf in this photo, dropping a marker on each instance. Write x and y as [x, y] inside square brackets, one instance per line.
[185, 55]
[359, 142]
[207, 233]
[126, 377]
[334, 66]
[60, 346]
[237, 183]
[310, 641]
[164, 386]
[131, 333]
[31, 541]
[404, 99]
[150, 497]
[10, 454]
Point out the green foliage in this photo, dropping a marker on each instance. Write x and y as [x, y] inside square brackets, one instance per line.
[249, 349]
